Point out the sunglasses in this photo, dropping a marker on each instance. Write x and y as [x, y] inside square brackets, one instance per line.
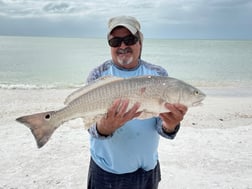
[128, 40]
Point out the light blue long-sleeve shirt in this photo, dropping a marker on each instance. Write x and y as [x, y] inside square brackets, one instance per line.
[135, 144]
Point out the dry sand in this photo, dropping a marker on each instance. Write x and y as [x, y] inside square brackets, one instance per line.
[212, 150]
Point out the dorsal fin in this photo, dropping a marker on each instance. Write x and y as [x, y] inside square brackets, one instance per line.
[93, 85]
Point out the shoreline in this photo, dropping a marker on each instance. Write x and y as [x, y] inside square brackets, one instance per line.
[211, 150]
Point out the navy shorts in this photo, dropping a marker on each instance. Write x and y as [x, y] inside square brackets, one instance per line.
[140, 179]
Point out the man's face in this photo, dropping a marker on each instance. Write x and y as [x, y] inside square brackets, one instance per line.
[125, 56]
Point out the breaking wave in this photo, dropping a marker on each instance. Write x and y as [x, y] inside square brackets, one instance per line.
[37, 86]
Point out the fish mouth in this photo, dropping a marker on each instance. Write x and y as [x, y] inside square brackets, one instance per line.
[22, 120]
[198, 103]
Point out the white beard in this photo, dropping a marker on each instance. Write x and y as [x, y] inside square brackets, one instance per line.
[124, 61]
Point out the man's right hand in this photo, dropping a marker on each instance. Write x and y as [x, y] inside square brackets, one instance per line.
[117, 116]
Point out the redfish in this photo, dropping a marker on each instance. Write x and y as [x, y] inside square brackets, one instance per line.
[92, 101]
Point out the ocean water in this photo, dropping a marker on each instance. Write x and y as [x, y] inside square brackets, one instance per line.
[42, 62]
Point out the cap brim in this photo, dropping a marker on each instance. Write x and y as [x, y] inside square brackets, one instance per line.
[128, 26]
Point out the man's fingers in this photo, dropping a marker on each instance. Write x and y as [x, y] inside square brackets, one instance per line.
[177, 111]
[114, 106]
[121, 109]
[183, 109]
[176, 108]
[132, 113]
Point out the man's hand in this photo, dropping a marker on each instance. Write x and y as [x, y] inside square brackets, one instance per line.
[116, 116]
[174, 117]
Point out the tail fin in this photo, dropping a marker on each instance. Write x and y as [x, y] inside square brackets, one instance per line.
[42, 126]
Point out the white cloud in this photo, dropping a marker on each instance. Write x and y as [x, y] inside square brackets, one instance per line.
[160, 17]
[38, 8]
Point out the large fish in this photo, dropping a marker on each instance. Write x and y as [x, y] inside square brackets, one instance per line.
[92, 101]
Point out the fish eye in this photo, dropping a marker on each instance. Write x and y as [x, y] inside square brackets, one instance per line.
[196, 92]
[47, 116]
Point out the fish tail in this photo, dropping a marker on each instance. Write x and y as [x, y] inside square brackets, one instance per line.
[42, 126]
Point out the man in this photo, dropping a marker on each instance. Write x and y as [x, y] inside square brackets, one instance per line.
[123, 149]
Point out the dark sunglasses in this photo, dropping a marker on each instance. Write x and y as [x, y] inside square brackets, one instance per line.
[128, 40]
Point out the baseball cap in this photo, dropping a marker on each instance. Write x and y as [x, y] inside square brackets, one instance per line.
[128, 22]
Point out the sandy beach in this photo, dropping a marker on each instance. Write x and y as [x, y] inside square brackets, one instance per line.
[212, 150]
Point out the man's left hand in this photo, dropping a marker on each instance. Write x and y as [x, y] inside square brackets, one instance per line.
[174, 117]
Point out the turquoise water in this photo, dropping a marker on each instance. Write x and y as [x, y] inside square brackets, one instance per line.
[40, 62]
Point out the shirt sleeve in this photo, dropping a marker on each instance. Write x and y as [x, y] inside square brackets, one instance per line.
[94, 133]
[97, 72]
[162, 72]
[93, 75]
[164, 134]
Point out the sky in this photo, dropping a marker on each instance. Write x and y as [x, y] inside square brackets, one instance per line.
[171, 19]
